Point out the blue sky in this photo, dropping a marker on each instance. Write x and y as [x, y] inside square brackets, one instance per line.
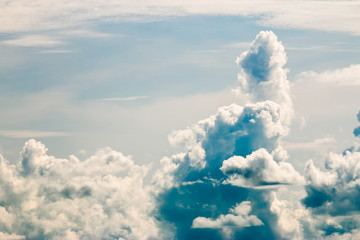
[83, 77]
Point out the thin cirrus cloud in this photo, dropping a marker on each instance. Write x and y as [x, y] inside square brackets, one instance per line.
[124, 99]
[33, 41]
[348, 76]
[337, 16]
[31, 134]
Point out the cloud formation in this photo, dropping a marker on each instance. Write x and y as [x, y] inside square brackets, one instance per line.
[44, 197]
[226, 157]
[325, 15]
[259, 168]
[223, 182]
[336, 191]
[348, 76]
[357, 129]
[262, 75]
[33, 41]
[237, 218]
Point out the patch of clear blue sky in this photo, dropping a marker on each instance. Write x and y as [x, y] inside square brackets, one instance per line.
[174, 56]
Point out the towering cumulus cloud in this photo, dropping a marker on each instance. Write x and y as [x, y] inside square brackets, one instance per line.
[215, 188]
[102, 197]
[263, 76]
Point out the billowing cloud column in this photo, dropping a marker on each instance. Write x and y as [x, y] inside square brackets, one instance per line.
[229, 156]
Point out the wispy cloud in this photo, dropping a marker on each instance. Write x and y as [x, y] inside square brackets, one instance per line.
[57, 51]
[316, 144]
[31, 134]
[84, 33]
[348, 76]
[237, 45]
[337, 16]
[125, 99]
[33, 41]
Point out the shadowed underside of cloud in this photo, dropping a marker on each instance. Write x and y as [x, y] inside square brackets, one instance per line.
[357, 130]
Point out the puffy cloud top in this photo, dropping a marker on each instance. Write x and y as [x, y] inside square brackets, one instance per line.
[337, 191]
[262, 75]
[237, 218]
[227, 158]
[102, 197]
[259, 168]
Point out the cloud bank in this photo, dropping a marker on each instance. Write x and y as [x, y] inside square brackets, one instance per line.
[44, 197]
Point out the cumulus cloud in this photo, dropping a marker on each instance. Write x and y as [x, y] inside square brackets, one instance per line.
[259, 168]
[337, 191]
[237, 218]
[224, 159]
[262, 75]
[234, 130]
[44, 197]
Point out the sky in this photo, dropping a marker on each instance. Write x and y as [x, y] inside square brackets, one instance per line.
[179, 119]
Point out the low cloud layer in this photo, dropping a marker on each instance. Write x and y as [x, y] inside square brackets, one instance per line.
[44, 197]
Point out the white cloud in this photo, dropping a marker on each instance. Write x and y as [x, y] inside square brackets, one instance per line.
[348, 76]
[237, 218]
[6, 236]
[288, 224]
[262, 75]
[233, 130]
[232, 155]
[259, 168]
[99, 197]
[84, 33]
[33, 41]
[335, 191]
[44, 15]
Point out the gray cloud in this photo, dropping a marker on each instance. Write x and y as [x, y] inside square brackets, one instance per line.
[357, 129]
